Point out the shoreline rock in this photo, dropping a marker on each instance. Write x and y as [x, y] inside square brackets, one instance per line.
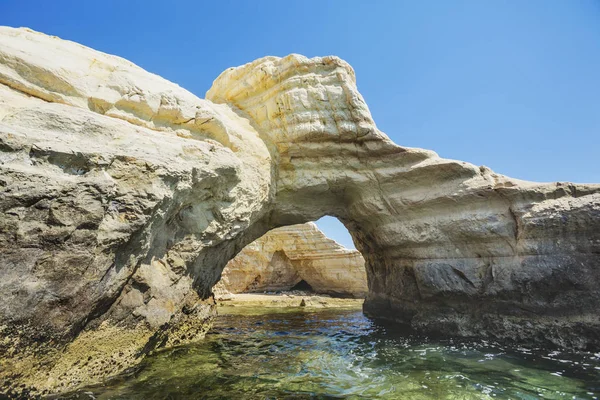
[286, 300]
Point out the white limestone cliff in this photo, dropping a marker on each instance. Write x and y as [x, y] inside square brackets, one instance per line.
[123, 196]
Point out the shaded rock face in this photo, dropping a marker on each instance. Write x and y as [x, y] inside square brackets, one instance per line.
[289, 255]
[123, 196]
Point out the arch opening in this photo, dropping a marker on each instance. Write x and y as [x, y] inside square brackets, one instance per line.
[298, 257]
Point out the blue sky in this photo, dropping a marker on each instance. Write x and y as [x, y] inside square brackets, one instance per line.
[511, 84]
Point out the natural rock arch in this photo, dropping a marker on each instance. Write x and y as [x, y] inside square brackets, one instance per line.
[450, 247]
[124, 196]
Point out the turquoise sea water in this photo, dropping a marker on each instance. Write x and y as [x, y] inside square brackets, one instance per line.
[341, 354]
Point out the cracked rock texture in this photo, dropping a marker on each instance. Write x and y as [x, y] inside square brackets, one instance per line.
[285, 256]
[123, 196]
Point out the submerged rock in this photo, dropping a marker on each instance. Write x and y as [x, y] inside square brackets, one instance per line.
[123, 196]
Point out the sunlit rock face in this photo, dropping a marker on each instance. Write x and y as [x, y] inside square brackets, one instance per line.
[450, 248]
[123, 196]
[285, 256]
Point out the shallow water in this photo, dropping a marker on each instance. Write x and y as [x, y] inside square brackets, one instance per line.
[341, 354]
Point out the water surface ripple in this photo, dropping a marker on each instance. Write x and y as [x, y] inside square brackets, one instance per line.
[336, 354]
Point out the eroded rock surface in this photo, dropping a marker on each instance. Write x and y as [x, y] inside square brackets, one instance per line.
[123, 196]
[450, 247]
[288, 255]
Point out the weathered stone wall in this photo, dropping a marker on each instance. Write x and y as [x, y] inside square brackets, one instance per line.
[285, 256]
[123, 196]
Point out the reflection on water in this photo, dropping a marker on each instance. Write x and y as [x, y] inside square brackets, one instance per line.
[335, 354]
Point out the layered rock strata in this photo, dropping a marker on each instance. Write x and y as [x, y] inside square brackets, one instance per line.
[288, 255]
[123, 196]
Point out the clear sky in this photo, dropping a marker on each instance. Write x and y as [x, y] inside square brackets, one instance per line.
[511, 84]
